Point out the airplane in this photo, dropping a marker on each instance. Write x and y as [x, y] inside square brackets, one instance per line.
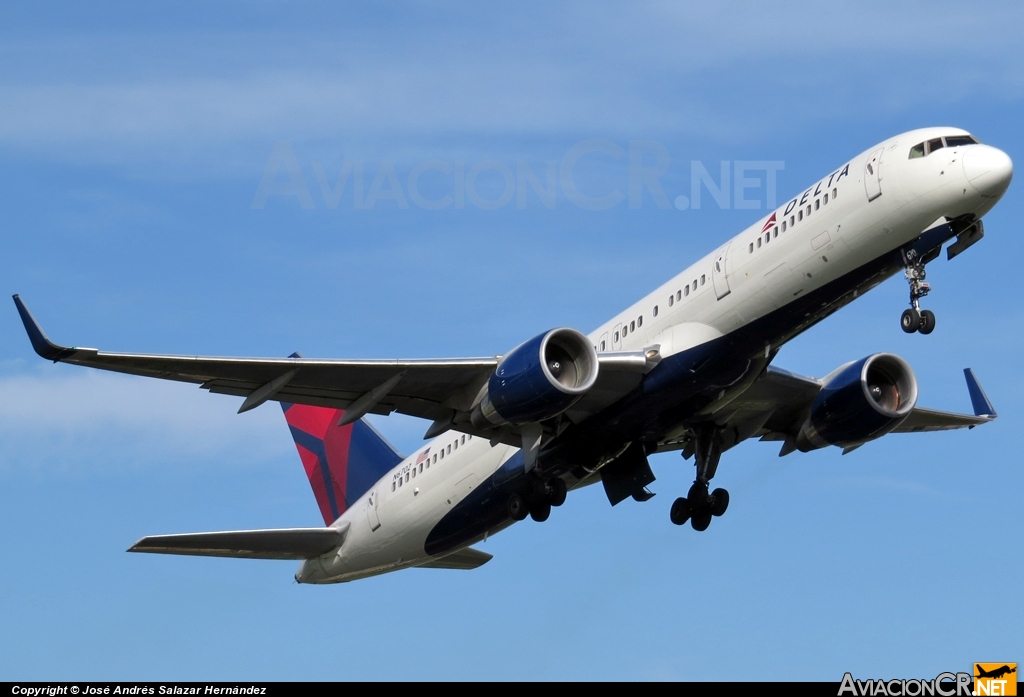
[995, 673]
[686, 368]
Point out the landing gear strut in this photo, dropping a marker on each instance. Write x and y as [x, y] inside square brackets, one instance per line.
[699, 506]
[915, 319]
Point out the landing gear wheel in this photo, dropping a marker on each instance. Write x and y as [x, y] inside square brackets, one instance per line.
[555, 491]
[517, 508]
[910, 321]
[719, 501]
[927, 322]
[680, 511]
[698, 497]
[540, 512]
[701, 521]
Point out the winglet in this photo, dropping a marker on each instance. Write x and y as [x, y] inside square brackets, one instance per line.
[979, 400]
[43, 346]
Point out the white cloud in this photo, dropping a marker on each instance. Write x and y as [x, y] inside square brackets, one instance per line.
[66, 417]
[662, 66]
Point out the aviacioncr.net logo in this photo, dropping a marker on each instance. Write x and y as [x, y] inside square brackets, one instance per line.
[943, 685]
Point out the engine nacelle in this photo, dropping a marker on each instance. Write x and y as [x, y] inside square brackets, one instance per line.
[859, 402]
[538, 379]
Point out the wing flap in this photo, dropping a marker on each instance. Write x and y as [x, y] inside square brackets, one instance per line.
[285, 543]
[468, 558]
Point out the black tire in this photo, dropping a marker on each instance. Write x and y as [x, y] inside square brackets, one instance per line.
[927, 322]
[719, 502]
[517, 508]
[698, 497]
[540, 512]
[701, 522]
[555, 491]
[910, 321]
[680, 511]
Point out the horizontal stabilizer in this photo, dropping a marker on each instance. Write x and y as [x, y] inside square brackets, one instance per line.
[468, 558]
[286, 543]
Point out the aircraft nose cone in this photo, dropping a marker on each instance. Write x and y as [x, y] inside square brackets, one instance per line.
[988, 169]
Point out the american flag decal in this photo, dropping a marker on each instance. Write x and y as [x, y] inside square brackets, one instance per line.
[423, 456]
[771, 221]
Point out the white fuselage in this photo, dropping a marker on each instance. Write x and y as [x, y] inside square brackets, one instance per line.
[827, 231]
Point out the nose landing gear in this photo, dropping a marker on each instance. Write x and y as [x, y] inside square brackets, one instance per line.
[699, 506]
[915, 319]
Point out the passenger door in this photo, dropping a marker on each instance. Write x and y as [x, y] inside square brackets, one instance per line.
[719, 276]
[873, 175]
[371, 509]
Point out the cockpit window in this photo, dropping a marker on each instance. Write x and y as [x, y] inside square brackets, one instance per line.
[934, 145]
[954, 141]
[917, 151]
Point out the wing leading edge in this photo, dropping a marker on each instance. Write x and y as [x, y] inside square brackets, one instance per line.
[441, 390]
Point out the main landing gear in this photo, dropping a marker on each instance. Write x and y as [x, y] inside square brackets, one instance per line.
[537, 499]
[699, 506]
[915, 319]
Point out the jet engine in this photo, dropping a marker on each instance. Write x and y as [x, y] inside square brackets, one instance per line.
[538, 379]
[859, 402]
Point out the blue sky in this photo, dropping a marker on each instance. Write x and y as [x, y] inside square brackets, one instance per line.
[133, 141]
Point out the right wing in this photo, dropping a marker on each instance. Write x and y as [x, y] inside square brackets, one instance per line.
[442, 390]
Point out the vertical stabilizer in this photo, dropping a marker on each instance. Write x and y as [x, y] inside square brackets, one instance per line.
[341, 462]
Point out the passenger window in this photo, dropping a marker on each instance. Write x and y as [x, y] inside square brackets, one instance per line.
[800, 214]
[817, 205]
[442, 453]
[695, 284]
[835, 192]
[917, 151]
[414, 473]
[934, 145]
[702, 279]
[767, 237]
[640, 321]
[825, 199]
[679, 295]
[718, 267]
[456, 444]
[783, 225]
[406, 476]
[808, 210]
[632, 326]
[449, 450]
[625, 330]
[463, 439]
[775, 232]
[752, 247]
[792, 221]
[392, 486]
[602, 346]
[687, 289]
[671, 300]
[616, 337]
[421, 468]
[655, 310]
[399, 481]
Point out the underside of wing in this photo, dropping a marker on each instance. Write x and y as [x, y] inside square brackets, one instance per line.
[931, 420]
[468, 558]
[287, 543]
